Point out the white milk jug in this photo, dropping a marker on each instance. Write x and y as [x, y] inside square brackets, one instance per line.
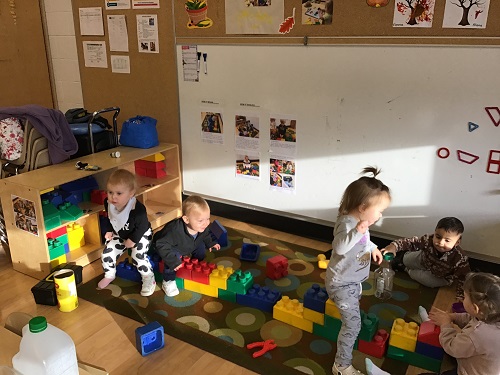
[45, 350]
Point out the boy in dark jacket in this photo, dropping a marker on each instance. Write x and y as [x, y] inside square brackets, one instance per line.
[185, 236]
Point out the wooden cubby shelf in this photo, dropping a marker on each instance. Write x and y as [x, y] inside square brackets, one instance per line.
[29, 250]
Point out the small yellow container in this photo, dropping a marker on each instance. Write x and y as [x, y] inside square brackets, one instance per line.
[67, 299]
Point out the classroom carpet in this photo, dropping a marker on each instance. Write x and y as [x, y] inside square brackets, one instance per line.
[225, 328]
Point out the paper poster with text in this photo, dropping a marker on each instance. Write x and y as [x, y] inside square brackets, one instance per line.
[212, 127]
[247, 132]
[247, 164]
[283, 135]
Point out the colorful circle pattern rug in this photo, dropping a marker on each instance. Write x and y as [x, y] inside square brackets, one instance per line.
[225, 328]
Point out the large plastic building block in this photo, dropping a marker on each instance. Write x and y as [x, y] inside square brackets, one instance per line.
[429, 333]
[239, 282]
[207, 290]
[219, 232]
[76, 236]
[369, 326]
[98, 196]
[219, 276]
[404, 335]
[330, 330]
[69, 212]
[322, 261]
[186, 271]
[277, 267]
[261, 298]
[55, 197]
[149, 338]
[56, 248]
[428, 350]
[201, 272]
[314, 316]
[51, 216]
[315, 298]
[332, 309]
[56, 233]
[156, 157]
[153, 169]
[376, 347]
[250, 252]
[415, 359]
[59, 260]
[81, 187]
[292, 312]
[227, 295]
[128, 271]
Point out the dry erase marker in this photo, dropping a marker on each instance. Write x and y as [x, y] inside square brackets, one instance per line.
[199, 57]
[205, 62]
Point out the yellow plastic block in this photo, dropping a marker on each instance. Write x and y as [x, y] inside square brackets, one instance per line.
[404, 335]
[314, 316]
[207, 290]
[322, 261]
[46, 190]
[155, 157]
[219, 276]
[332, 309]
[76, 236]
[291, 312]
[57, 261]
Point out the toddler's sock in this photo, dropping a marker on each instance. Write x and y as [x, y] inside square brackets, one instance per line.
[372, 369]
[422, 312]
[105, 282]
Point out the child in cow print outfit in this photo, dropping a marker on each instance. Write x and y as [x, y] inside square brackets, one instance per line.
[127, 227]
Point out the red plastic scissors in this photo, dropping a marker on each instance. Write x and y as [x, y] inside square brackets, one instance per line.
[266, 346]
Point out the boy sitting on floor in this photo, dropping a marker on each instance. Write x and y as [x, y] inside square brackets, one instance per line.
[434, 260]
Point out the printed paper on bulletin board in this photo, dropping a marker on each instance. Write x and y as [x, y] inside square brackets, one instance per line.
[254, 16]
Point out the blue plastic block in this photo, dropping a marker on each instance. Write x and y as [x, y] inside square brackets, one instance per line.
[127, 271]
[261, 298]
[81, 186]
[149, 338]
[428, 350]
[219, 232]
[53, 197]
[250, 252]
[315, 298]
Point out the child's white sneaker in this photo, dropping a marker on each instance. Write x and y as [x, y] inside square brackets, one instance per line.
[337, 370]
[170, 288]
[148, 286]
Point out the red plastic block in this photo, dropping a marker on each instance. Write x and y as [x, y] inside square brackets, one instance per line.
[429, 333]
[57, 233]
[185, 271]
[377, 347]
[201, 272]
[277, 267]
[97, 196]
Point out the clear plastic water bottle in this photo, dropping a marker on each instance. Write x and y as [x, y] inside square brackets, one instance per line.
[45, 350]
[384, 277]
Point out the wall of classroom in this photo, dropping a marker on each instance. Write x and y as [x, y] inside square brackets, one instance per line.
[428, 108]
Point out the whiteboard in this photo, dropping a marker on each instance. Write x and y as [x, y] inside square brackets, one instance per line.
[387, 106]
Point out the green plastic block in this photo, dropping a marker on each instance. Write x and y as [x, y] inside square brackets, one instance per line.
[69, 211]
[239, 282]
[227, 295]
[56, 248]
[414, 359]
[369, 326]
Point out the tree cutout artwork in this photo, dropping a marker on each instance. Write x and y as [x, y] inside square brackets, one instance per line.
[466, 6]
[416, 11]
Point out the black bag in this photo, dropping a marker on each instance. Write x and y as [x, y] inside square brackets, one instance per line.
[93, 132]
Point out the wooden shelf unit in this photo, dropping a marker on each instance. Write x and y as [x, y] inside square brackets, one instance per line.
[29, 252]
